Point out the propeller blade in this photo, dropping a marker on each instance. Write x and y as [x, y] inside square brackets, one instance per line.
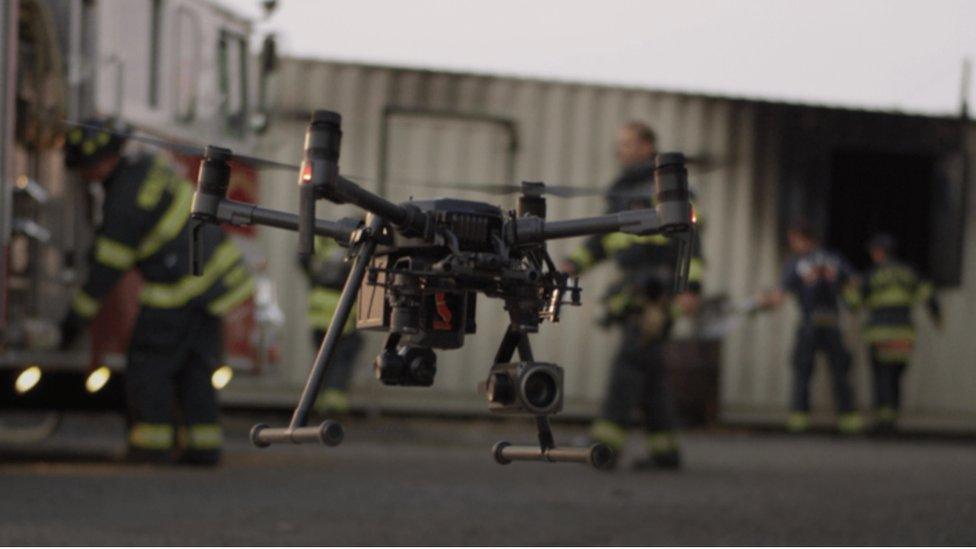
[185, 149]
[703, 164]
[265, 163]
[561, 191]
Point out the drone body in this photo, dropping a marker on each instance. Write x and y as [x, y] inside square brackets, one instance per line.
[417, 270]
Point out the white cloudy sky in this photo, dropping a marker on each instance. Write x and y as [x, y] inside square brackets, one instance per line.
[888, 54]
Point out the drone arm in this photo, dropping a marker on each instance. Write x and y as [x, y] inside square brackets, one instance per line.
[675, 220]
[242, 213]
[404, 217]
[640, 222]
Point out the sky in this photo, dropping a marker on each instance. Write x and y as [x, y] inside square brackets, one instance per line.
[879, 54]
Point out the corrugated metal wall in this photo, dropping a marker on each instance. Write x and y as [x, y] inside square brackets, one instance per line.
[566, 135]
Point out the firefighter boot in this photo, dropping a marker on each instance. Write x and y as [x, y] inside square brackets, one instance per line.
[202, 444]
[663, 452]
[798, 422]
[150, 443]
[332, 403]
[850, 423]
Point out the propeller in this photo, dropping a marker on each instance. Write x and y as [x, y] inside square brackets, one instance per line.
[185, 149]
[702, 164]
[562, 191]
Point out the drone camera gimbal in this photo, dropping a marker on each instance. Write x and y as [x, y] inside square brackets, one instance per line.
[418, 268]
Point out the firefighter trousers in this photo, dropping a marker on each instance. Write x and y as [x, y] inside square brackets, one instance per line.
[809, 340]
[886, 378]
[172, 356]
[638, 379]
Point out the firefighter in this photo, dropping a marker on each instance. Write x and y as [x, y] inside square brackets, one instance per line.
[176, 342]
[817, 278]
[888, 293]
[641, 306]
[327, 271]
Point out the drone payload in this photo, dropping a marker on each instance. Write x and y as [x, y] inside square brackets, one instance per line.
[418, 267]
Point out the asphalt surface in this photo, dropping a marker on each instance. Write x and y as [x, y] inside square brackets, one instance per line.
[426, 482]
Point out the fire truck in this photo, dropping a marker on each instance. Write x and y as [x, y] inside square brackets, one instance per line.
[180, 70]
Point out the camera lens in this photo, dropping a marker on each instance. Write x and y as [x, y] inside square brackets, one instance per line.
[421, 366]
[540, 389]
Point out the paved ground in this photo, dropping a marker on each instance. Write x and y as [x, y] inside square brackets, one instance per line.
[410, 482]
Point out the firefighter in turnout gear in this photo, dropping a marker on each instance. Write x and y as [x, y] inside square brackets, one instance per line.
[176, 343]
[327, 271]
[888, 293]
[641, 304]
[817, 278]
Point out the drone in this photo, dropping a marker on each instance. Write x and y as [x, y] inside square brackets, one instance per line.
[418, 267]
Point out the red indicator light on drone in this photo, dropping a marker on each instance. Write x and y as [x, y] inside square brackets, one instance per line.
[306, 172]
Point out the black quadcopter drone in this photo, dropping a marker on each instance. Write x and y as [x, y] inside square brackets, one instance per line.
[418, 267]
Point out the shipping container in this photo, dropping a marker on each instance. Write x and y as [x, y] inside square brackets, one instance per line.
[837, 166]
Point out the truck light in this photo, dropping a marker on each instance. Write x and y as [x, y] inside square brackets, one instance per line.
[27, 379]
[221, 377]
[97, 379]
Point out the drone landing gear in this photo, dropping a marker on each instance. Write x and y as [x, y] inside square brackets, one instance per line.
[329, 432]
[597, 455]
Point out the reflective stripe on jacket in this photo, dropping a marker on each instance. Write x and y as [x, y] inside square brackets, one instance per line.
[145, 226]
[327, 272]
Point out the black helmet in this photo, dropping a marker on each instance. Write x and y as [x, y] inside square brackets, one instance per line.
[884, 241]
[93, 140]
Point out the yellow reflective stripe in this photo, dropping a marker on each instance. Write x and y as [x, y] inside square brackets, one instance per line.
[232, 298]
[84, 305]
[893, 274]
[924, 291]
[114, 254]
[583, 258]
[235, 276]
[852, 295]
[889, 333]
[178, 294]
[332, 400]
[609, 433]
[205, 436]
[695, 270]
[323, 299]
[615, 242]
[324, 247]
[322, 304]
[660, 442]
[619, 302]
[153, 436]
[886, 413]
[171, 223]
[798, 421]
[160, 177]
[890, 296]
[850, 423]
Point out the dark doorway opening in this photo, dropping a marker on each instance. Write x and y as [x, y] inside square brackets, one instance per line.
[872, 192]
